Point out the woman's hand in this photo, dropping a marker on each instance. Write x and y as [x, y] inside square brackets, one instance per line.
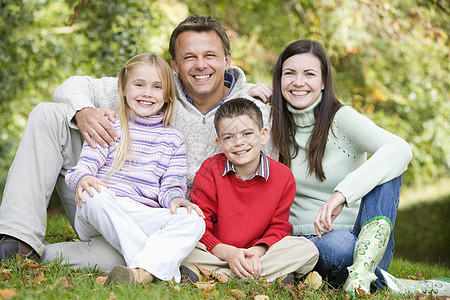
[327, 213]
[181, 202]
[85, 184]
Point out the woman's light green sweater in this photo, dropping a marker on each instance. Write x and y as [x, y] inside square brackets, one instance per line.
[345, 164]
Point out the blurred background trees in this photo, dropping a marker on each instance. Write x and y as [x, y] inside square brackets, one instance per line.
[391, 58]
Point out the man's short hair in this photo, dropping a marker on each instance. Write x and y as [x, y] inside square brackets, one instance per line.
[238, 107]
[199, 24]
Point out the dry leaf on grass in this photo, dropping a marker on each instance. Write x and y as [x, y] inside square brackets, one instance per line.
[62, 283]
[100, 280]
[8, 294]
[112, 296]
[6, 273]
[205, 286]
[237, 294]
[314, 280]
[261, 297]
[39, 279]
[208, 274]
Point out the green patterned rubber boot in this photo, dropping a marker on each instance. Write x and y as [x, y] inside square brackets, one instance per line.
[404, 287]
[369, 250]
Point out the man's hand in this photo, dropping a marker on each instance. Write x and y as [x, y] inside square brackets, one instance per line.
[85, 184]
[261, 91]
[328, 213]
[181, 202]
[95, 127]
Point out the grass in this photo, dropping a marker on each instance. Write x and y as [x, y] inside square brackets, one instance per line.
[26, 280]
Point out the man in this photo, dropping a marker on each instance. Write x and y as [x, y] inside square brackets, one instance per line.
[51, 143]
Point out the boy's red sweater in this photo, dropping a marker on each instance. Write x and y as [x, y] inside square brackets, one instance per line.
[243, 213]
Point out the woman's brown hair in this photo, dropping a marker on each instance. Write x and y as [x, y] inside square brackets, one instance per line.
[283, 125]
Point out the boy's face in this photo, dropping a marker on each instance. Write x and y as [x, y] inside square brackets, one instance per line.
[241, 140]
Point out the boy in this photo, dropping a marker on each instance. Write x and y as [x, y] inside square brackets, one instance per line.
[246, 197]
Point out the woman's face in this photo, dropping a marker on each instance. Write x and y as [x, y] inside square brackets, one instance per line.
[301, 80]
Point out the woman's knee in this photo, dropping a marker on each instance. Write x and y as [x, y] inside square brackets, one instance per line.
[336, 248]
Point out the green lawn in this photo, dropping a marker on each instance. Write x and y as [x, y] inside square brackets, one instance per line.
[422, 229]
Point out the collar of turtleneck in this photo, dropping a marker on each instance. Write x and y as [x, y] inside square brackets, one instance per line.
[304, 117]
[146, 121]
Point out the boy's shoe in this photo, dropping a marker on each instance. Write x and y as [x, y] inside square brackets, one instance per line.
[188, 275]
[287, 279]
[10, 246]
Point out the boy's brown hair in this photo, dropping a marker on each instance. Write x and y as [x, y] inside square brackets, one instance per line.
[238, 107]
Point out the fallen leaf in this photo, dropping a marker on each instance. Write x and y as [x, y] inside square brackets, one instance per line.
[112, 296]
[261, 297]
[6, 273]
[237, 294]
[177, 288]
[100, 280]
[39, 279]
[314, 280]
[205, 286]
[419, 275]
[221, 278]
[62, 283]
[8, 294]
[203, 271]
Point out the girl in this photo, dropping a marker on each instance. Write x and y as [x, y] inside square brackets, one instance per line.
[326, 144]
[133, 192]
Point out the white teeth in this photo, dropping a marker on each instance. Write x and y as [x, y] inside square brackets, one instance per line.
[201, 76]
[146, 102]
[299, 93]
[241, 152]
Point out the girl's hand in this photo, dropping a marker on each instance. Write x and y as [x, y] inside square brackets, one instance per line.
[181, 202]
[85, 184]
[328, 212]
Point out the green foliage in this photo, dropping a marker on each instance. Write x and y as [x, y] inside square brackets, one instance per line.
[390, 57]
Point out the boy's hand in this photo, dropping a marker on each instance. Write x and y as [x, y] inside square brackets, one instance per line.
[328, 212]
[243, 262]
[85, 184]
[181, 202]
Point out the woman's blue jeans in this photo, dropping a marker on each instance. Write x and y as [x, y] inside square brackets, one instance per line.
[336, 247]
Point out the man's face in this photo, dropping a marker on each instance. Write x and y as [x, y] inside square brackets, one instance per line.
[201, 63]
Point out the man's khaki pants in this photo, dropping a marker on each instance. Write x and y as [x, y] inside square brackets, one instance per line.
[47, 149]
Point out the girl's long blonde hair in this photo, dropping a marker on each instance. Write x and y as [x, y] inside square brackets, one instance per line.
[125, 148]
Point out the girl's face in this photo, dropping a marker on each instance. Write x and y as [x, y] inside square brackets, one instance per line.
[144, 91]
[301, 80]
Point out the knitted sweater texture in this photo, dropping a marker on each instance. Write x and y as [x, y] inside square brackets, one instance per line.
[154, 175]
[345, 164]
[79, 92]
[243, 213]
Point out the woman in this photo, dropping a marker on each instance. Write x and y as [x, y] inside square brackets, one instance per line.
[345, 203]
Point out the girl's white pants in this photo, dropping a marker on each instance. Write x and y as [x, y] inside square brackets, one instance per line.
[149, 238]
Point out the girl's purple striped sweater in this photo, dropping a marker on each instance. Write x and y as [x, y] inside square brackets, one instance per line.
[155, 175]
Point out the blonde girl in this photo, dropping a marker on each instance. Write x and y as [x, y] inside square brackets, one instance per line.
[132, 193]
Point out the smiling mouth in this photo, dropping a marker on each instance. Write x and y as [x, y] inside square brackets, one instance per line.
[201, 77]
[144, 102]
[299, 93]
[241, 152]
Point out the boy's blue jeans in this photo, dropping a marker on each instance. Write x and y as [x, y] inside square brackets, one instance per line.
[336, 247]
